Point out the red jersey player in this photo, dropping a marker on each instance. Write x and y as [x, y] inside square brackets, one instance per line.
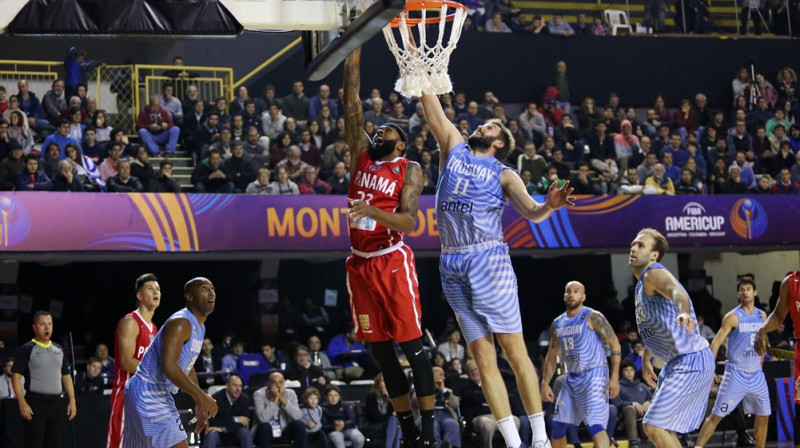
[788, 302]
[134, 334]
[381, 273]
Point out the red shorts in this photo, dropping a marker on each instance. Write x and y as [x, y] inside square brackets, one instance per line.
[384, 296]
[114, 437]
[796, 371]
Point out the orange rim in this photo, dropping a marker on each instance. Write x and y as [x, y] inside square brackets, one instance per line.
[419, 5]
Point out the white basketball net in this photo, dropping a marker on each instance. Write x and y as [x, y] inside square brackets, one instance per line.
[423, 68]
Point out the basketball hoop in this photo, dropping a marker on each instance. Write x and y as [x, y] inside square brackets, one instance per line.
[423, 67]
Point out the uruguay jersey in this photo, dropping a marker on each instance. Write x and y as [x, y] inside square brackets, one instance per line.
[582, 349]
[469, 199]
[150, 368]
[656, 318]
[741, 352]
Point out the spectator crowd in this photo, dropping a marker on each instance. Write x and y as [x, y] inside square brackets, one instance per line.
[295, 144]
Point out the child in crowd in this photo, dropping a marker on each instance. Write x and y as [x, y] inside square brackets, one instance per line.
[339, 420]
[312, 417]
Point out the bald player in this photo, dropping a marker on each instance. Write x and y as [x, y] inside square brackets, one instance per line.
[578, 336]
[151, 418]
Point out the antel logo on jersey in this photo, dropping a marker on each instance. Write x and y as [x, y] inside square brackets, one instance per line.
[374, 167]
[455, 206]
[695, 222]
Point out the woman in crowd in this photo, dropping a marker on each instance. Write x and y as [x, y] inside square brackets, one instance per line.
[381, 421]
[339, 420]
[452, 348]
[664, 115]
[280, 149]
[85, 169]
[285, 185]
[101, 127]
[741, 84]
[19, 132]
[587, 115]
[262, 185]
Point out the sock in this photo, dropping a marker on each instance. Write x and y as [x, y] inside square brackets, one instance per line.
[698, 446]
[537, 425]
[408, 426]
[427, 424]
[509, 430]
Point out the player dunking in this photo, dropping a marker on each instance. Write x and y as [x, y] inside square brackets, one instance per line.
[381, 272]
[475, 267]
[578, 335]
[744, 378]
[668, 327]
[788, 301]
[134, 334]
[151, 419]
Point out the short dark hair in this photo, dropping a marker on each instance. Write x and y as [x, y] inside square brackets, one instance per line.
[30, 157]
[164, 163]
[626, 363]
[40, 312]
[745, 281]
[637, 341]
[144, 278]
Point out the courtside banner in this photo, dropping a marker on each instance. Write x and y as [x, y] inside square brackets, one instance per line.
[40, 221]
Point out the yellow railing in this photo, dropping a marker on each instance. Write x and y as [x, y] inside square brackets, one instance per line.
[123, 90]
[39, 74]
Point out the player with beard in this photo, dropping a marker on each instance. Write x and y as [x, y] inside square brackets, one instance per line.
[475, 267]
[381, 272]
[578, 336]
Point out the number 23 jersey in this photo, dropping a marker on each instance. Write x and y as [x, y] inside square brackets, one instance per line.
[378, 183]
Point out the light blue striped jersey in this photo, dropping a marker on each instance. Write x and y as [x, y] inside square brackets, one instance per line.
[581, 347]
[656, 319]
[150, 367]
[470, 199]
[741, 352]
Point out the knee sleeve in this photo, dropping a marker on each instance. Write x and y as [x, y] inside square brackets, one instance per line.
[420, 366]
[396, 381]
[559, 430]
[595, 429]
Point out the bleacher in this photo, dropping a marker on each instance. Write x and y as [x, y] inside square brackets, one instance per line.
[723, 12]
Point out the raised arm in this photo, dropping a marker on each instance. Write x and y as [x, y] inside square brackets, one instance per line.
[729, 322]
[775, 318]
[600, 325]
[445, 132]
[524, 204]
[665, 284]
[353, 111]
[405, 219]
[549, 366]
[127, 332]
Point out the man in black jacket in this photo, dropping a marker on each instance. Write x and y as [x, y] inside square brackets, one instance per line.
[163, 182]
[65, 179]
[241, 168]
[232, 422]
[123, 182]
[304, 371]
[210, 175]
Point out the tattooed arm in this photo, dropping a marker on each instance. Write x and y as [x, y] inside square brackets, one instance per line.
[549, 366]
[600, 325]
[353, 111]
[405, 219]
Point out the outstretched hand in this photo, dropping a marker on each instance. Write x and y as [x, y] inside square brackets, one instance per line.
[560, 197]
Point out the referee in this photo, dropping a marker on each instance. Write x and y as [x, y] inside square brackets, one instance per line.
[47, 378]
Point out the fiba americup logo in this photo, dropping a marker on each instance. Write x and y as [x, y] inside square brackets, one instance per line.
[748, 218]
[694, 222]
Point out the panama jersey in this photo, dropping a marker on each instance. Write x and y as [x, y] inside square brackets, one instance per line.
[379, 184]
[469, 199]
[656, 320]
[581, 347]
[794, 304]
[741, 352]
[147, 332]
[150, 367]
